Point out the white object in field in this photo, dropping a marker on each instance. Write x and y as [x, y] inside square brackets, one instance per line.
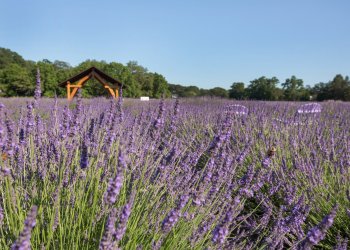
[144, 98]
[237, 109]
[309, 108]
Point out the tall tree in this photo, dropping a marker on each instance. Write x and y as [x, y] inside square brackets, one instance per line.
[49, 79]
[337, 89]
[263, 89]
[142, 77]
[340, 88]
[160, 86]
[219, 92]
[16, 81]
[291, 88]
[237, 91]
[8, 57]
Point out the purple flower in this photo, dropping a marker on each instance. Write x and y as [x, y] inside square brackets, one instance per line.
[9, 141]
[113, 188]
[123, 220]
[348, 212]
[107, 242]
[30, 119]
[220, 232]
[318, 233]
[23, 241]
[121, 160]
[159, 121]
[5, 171]
[84, 158]
[266, 162]
[1, 216]
[342, 243]
[174, 215]
[242, 155]
[91, 131]
[174, 117]
[21, 136]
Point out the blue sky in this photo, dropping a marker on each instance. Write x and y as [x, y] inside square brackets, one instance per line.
[204, 43]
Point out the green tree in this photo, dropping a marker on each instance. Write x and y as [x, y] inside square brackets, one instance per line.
[191, 91]
[123, 74]
[293, 88]
[337, 89]
[340, 88]
[142, 77]
[321, 91]
[62, 65]
[204, 92]
[237, 91]
[160, 86]
[16, 81]
[263, 89]
[219, 92]
[49, 81]
[8, 57]
[176, 89]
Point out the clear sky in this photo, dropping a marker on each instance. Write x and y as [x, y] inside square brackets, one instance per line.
[204, 43]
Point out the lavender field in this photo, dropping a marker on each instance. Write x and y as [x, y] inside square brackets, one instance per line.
[166, 174]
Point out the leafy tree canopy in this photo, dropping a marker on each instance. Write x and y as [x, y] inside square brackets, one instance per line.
[17, 78]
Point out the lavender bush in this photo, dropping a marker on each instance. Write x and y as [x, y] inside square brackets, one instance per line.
[185, 174]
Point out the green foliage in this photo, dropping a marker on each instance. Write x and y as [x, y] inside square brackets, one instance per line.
[17, 78]
[8, 57]
[16, 81]
[294, 89]
[337, 89]
[237, 91]
[263, 89]
[219, 92]
[160, 86]
[141, 75]
[193, 91]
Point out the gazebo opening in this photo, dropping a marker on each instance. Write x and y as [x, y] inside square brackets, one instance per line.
[72, 84]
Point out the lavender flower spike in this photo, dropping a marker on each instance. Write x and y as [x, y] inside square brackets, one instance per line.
[114, 187]
[318, 233]
[84, 158]
[23, 241]
[174, 214]
[342, 243]
[107, 241]
[1, 215]
[121, 229]
[221, 231]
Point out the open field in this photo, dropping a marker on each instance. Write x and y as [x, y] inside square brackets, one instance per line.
[186, 174]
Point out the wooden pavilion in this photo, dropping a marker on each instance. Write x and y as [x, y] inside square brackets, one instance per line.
[74, 83]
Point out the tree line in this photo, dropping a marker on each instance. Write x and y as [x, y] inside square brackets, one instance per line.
[17, 78]
[263, 88]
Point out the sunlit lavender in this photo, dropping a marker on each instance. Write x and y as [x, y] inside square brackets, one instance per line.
[173, 174]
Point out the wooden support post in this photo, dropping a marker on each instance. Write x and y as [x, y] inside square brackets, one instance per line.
[110, 90]
[68, 91]
[116, 93]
